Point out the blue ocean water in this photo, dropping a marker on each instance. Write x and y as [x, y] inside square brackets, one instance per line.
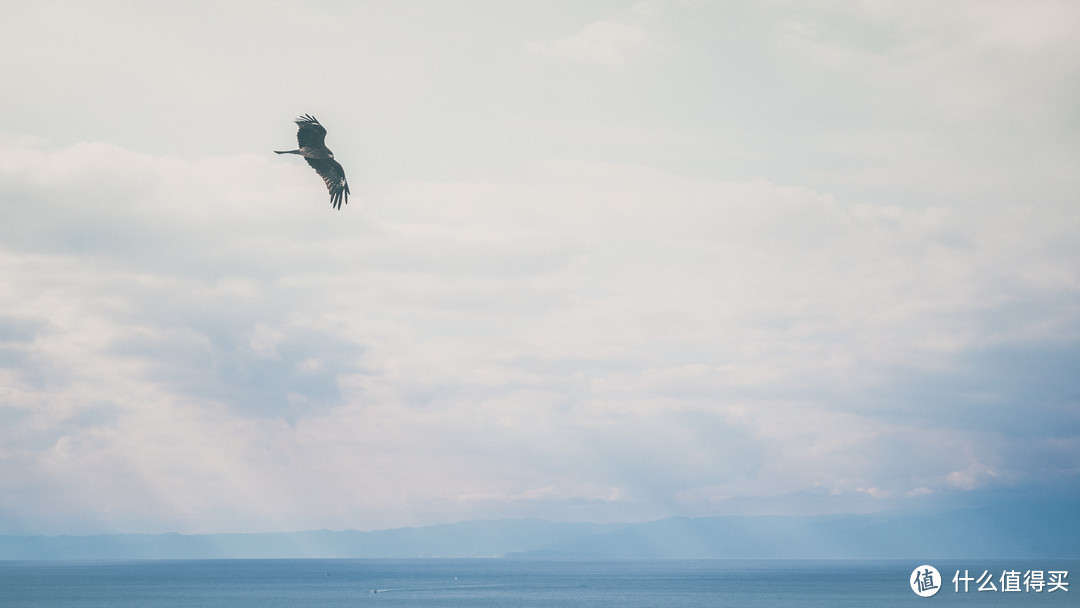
[480, 583]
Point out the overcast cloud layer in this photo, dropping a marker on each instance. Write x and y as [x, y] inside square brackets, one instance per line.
[603, 261]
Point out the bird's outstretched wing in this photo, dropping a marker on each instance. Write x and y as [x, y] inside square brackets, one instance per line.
[311, 134]
[334, 176]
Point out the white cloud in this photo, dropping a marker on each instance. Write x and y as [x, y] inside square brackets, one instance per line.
[769, 271]
[591, 341]
[975, 475]
[607, 42]
[961, 65]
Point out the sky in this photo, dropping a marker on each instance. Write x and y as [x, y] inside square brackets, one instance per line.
[603, 261]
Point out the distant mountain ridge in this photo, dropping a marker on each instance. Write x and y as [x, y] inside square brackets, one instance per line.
[964, 533]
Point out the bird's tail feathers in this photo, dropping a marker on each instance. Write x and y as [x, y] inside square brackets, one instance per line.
[286, 151]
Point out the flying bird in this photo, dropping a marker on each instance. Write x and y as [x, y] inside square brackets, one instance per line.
[311, 137]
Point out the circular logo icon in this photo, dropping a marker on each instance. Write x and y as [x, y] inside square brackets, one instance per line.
[925, 581]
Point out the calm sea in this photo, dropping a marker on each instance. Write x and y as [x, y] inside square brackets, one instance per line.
[480, 583]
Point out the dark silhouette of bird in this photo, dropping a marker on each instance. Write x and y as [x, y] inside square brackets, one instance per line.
[311, 137]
